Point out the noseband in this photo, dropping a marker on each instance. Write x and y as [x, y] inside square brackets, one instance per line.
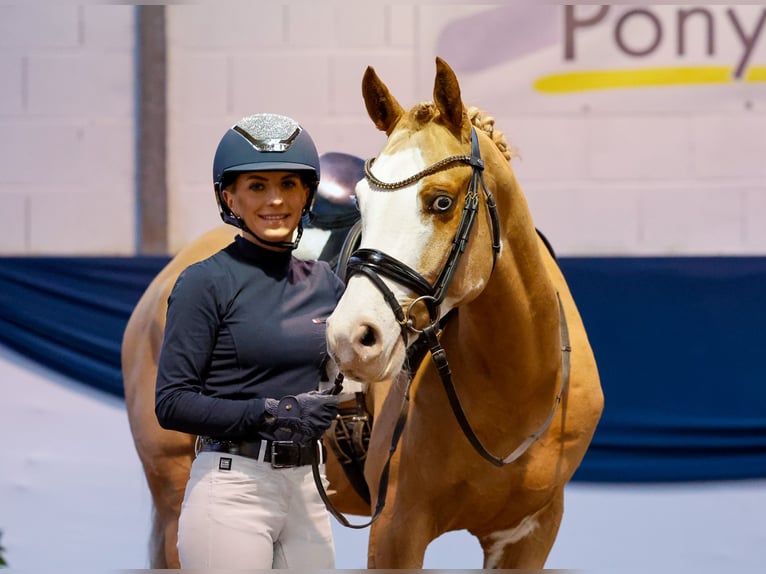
[373, 263]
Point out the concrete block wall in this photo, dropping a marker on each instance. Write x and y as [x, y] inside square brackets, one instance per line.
[67, 129]
[600, 179]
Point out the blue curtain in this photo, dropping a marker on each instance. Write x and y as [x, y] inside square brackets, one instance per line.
[68, 313]
[677, 341]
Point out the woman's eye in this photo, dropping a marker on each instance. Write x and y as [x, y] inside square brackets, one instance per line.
[441, 204]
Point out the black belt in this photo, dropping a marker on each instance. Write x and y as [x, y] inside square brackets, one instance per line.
[281, 454]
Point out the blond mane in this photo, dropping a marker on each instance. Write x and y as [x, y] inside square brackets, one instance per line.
[425, 111]
[486, 123]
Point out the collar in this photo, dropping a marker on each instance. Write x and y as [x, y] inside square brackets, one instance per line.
[262, 256]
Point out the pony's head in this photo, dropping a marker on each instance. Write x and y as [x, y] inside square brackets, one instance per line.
[430, 232]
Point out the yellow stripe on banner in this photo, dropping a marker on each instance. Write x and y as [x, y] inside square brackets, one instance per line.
[756, 74]
[569, 82]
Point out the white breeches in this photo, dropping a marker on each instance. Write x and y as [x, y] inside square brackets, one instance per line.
[253, 516]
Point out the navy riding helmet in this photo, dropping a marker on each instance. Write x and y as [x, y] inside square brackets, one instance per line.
[264, 142]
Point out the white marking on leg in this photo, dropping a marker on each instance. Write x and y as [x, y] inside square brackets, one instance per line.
[503, 538]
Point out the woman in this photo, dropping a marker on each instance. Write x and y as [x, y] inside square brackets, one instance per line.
[242, 358]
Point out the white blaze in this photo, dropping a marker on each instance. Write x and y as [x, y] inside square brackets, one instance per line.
[392, 224]
[397, 227]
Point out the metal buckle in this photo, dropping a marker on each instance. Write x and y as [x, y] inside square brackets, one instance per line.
[276, 448]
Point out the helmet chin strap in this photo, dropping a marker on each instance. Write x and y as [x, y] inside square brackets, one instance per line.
[286, 245]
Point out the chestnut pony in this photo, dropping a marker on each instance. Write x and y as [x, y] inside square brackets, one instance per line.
[502, 410]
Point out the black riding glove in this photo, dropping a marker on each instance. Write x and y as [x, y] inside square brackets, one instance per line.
[300, 418]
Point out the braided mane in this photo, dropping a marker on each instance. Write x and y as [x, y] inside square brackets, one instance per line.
[486, 123]
[425, 111]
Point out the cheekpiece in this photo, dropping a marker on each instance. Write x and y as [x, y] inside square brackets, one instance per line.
[269, 132]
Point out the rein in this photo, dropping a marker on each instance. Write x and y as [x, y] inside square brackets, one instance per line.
[440, 361]
[383, 484]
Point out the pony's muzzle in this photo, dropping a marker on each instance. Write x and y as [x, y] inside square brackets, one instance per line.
[358, 349]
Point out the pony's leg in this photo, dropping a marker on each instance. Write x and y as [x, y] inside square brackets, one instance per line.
[400, 542]
[167, 476]
[525, 545]
[400, 535]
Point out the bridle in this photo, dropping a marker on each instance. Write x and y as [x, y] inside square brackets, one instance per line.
[373, 264]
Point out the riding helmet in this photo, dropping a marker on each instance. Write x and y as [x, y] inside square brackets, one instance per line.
[264, 142]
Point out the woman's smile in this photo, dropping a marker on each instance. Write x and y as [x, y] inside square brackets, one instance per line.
[270, 203]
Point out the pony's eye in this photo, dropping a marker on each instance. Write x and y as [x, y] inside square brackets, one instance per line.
[441, 204]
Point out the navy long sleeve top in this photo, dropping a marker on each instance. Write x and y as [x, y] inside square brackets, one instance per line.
[242, 326]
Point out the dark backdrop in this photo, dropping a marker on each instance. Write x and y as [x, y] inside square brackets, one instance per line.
[677, 341]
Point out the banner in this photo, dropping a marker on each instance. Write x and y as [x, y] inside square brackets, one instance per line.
[540, 57]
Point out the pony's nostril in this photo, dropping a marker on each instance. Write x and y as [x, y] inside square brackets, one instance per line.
[368, 338]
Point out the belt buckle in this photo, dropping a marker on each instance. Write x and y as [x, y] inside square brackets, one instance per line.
[276, 450]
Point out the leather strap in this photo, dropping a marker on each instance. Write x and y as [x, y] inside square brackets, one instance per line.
[383, 485]
[440, 361]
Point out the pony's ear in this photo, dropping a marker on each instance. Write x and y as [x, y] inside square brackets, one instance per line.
[447, 98]
[382, 107]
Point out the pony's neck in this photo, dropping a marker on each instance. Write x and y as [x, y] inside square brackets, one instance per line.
[514, 322]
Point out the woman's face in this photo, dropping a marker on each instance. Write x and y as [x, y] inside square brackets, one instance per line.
[269, 202]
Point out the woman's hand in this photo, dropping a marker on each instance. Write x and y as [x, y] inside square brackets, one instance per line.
[300, 418]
